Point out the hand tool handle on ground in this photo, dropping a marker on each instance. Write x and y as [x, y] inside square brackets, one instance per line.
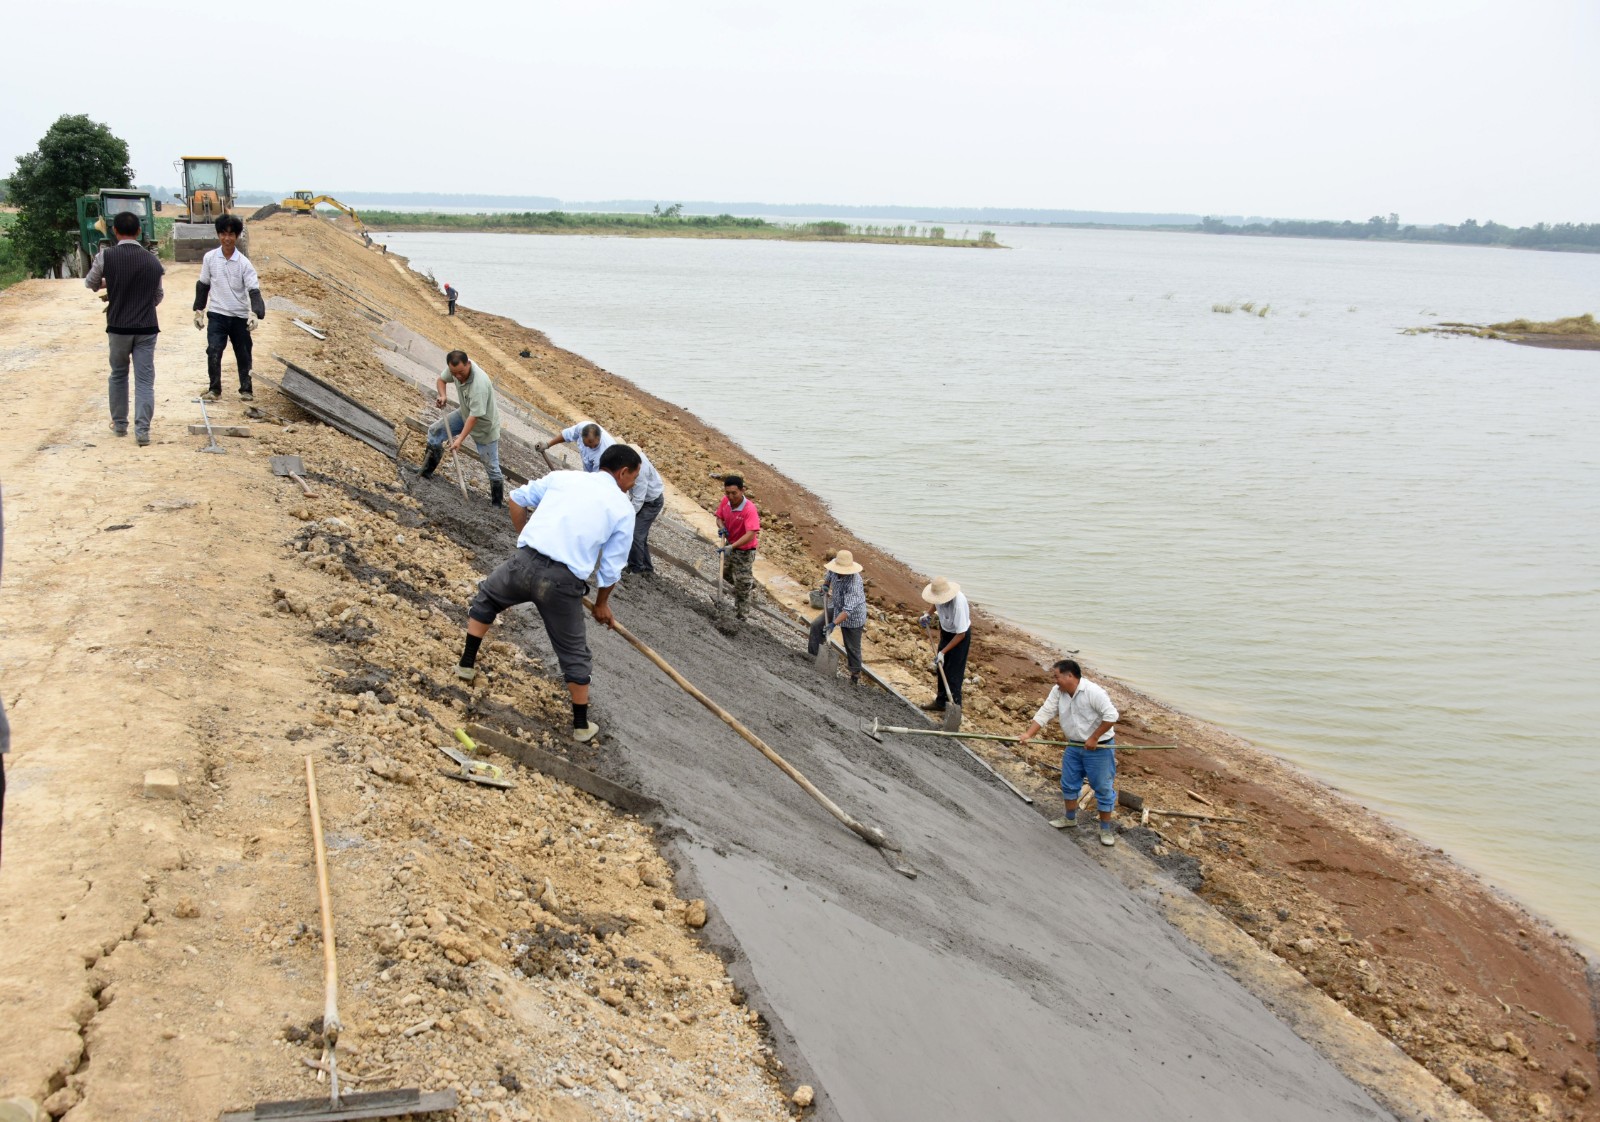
[304, 486]
[330, 963]
[876, 728]
[977, 759]
[212, 446]
[869, 834]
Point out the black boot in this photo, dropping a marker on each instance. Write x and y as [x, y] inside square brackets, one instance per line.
[431, 461]
[497, 492]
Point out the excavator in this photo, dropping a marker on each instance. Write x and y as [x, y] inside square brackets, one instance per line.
[304, 202]
[207, 195]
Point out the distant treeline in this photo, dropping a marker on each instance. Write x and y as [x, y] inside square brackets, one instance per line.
[558, 220]
[671, 222]
[1571, 236]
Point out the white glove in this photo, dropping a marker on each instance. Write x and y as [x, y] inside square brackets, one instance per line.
[938, 659]
[199, 320]
[251, 324]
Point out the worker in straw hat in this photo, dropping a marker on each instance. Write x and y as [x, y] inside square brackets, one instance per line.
[954, 640]
[845, 607]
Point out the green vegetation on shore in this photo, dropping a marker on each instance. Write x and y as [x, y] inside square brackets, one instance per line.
[671, 225]
[1569, 236]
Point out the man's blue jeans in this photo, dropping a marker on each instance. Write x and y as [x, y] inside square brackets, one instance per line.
[1098, 767]
[489, 453]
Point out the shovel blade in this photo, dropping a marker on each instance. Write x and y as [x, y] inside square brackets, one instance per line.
[287, 465]
[952, 719]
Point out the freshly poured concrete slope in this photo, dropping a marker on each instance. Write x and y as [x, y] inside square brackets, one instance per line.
[1013, 979]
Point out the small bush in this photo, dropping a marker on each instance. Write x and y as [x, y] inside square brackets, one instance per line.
[1226, 309]
[1571, 325]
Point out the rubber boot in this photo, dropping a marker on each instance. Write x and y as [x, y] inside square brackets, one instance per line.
[497, 492]
[431, 460]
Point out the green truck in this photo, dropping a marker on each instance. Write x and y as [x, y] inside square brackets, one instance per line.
[95, 213]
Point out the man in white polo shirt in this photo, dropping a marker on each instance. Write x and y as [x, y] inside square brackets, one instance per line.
[1087, 718]
[569, 524]
[227, 307]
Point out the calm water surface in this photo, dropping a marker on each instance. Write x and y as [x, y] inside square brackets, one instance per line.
[1375, 554]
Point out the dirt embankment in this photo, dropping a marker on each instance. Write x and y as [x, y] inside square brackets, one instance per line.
[1486, 996]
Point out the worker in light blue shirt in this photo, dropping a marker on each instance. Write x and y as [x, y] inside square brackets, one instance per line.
[569, 524]
[591, 439]
[649, 497]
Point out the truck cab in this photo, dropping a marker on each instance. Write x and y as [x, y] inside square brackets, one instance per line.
[96, 211]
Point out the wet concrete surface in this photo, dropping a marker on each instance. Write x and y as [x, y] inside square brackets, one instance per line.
[1014, 978]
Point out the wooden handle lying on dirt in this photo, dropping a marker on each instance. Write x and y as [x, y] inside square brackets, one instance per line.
[869, 834]
[330, 964]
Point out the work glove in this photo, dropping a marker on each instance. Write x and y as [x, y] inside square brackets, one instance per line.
[722, 549]
[199, 320]
[722, 531]
[938, 660]
[924, 621]
[252, 321]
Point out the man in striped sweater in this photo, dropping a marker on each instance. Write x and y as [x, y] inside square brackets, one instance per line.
[131, 277]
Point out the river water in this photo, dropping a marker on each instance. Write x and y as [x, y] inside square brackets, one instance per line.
[1377, 555]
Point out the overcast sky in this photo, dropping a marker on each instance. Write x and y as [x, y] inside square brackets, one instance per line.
[1437, 109]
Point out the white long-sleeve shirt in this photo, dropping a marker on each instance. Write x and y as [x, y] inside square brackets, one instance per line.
[578, 519]
[1080, 713]
[232, 279]
[649, 487]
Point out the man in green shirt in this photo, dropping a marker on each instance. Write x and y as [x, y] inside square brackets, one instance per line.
[477, 414]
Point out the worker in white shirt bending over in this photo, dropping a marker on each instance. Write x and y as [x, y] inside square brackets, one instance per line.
[565, 522]
[1088, 720]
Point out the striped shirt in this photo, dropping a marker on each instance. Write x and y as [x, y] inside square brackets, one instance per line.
[232, 279]
[846, 594]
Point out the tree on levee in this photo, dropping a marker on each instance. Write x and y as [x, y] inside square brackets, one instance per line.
[75, 157]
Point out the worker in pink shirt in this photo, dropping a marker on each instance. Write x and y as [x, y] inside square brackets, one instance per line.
[739, 522]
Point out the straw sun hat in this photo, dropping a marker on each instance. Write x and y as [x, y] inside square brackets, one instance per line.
[941, 591]
[843, 562]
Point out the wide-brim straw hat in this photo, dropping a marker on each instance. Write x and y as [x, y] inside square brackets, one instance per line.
[941, 591]
[843, 562]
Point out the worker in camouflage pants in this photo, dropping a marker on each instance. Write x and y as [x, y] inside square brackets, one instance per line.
[739, 522]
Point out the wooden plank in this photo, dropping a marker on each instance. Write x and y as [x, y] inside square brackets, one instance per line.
[566, 771]
[334, 407]
[366, 1104]
[221, 430]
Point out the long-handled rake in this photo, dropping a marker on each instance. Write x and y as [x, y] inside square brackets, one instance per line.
[878, 728]
[339, 1107]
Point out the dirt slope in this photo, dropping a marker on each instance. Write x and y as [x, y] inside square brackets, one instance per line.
[159, 958]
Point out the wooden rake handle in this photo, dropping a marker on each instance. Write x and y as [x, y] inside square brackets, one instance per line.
[330, 963]
[869, 834]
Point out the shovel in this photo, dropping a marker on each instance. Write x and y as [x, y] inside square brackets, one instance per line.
[827, 661]
[952, 713]
[295, 470]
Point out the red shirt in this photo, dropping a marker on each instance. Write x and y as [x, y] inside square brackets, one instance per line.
[740, 522]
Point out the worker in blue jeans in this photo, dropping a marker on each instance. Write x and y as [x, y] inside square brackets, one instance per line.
[1088, 725]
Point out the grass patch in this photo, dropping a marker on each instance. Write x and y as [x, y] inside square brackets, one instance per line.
[1571, 325]
[1225, 309]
